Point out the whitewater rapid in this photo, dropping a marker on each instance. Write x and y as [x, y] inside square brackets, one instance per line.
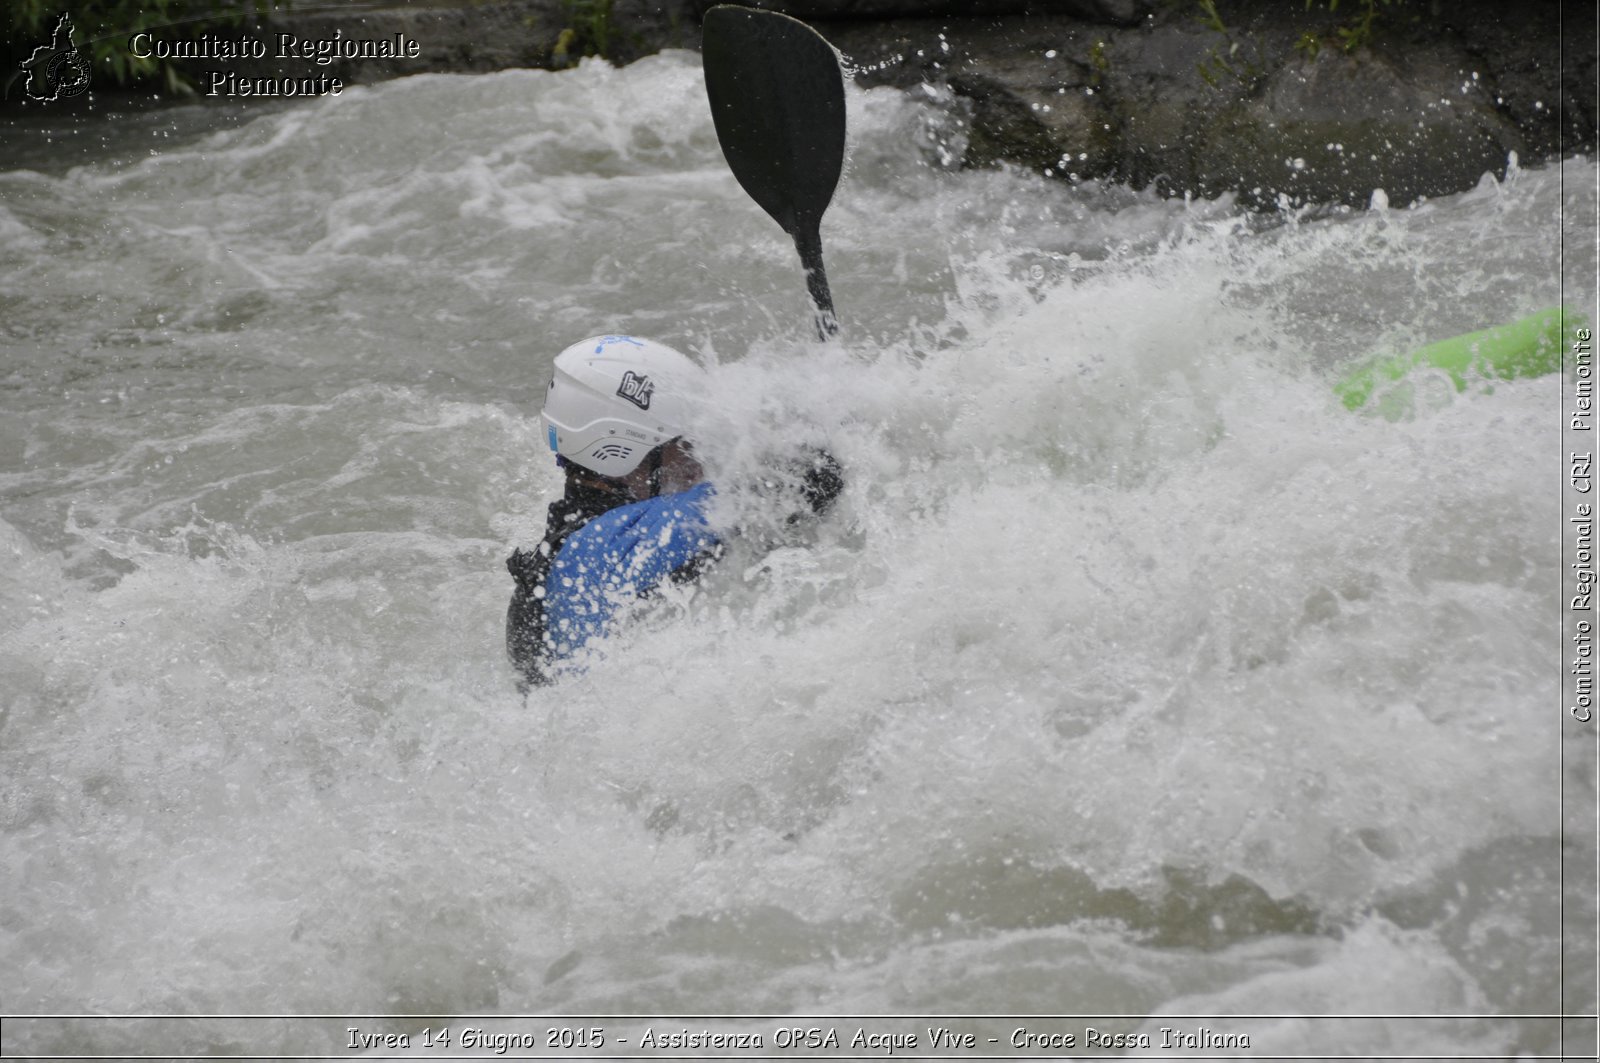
[1133, 675]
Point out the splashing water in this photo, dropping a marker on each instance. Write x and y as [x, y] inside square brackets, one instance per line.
[1133, 673]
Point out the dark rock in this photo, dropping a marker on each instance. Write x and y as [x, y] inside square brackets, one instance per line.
[1263, 101]
[1158, 90]
[1542, 79]
[1032, 103]
[1112, 12]
[1269, 106]
[1337, 127]
[876, 10]
[477, 37]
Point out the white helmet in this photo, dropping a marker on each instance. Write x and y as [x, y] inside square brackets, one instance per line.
[613, 399]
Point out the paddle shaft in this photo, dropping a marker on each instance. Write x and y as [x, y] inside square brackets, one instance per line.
[808, 242]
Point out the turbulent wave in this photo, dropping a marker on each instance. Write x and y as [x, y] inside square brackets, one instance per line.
[1134, 674]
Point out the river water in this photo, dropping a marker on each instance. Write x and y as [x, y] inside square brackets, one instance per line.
[1132, 676]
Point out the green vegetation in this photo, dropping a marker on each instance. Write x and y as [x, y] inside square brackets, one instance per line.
[103, 28]
[1351, 36]
[1210, 16]
[1245, 69]
[589, 31]
[1235, 64]
[1357, 34]
[1099, 62]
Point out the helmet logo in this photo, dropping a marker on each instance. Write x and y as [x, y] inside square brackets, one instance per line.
[636, 388]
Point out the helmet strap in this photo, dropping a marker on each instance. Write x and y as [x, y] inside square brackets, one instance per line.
[655, 471]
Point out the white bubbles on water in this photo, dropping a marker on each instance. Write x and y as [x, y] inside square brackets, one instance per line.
[1124, 635]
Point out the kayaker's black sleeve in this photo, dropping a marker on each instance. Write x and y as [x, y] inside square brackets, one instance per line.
[525, 641]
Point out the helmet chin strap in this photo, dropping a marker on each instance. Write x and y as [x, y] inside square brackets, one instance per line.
[655, 471]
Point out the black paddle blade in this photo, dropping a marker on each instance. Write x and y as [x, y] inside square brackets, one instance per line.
[777, 99]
